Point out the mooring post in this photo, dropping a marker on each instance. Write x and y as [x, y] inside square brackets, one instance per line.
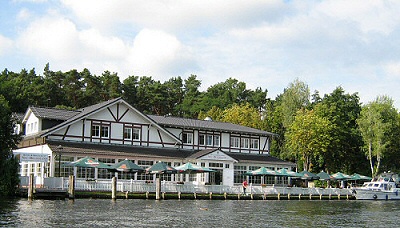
[158, 186]
[179, 195]
[210, 195]
[71, 187]
[31, 186]
[225, 195]
[114, 188]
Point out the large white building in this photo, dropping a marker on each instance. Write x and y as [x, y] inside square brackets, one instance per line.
[114, 130]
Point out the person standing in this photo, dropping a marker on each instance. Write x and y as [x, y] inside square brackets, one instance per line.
[244, 184]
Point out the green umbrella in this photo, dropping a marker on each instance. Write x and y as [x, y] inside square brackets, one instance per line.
[305, 175]
[287, 173]
[261, 172]
[192, 168]
[161, 168]
[88, 162]
[324, 176]
[127, 166]
[357, 176]
[341, 176]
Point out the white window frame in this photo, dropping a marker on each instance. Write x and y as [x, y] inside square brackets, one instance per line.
[136, 133]
[235, 142]
[244, 143]
[254, 143]
[128, 133]
[187, 138]
[216, 140]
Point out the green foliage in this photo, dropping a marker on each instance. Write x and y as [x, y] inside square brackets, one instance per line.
[379, 126]
[341, 110]
[308, 138]
[8, 165]
[242, 114]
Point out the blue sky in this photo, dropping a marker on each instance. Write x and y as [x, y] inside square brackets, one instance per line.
[354, 44]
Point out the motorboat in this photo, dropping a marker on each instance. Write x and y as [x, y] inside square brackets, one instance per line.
[385, 187]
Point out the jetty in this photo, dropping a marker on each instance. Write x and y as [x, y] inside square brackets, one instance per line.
[62, 188]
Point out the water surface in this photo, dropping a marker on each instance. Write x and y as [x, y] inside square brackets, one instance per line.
[197, 213]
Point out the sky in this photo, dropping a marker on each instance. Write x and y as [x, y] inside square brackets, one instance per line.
[354, 44]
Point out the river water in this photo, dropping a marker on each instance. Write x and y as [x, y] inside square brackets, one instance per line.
[198, 213]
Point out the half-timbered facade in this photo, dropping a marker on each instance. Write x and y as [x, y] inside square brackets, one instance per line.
[114, 130]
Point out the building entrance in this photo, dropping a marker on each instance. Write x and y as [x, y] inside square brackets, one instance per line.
[216, 178]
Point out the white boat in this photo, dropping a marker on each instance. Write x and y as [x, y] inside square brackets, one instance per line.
[385, 187]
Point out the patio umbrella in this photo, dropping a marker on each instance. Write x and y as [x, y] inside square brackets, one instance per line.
[161, 168]
[324, 176]
[127, 166]
[261, 172]
[341, 176]
[305, 175]
[287, 173]
[158, 169]
[357, 176]
[192, 168]
[88, 162]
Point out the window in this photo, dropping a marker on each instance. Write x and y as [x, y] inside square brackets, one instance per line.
[100, 131]
[254, 143]
[216, 140]
[127, 133]
[145, 165]
[187, 138]
[136, 133]
[202, 140]
[244, 143]
[96, 131]
[209, 140]
[235, 142]
[104, 131]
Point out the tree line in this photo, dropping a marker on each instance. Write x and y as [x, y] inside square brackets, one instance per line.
[333, 132]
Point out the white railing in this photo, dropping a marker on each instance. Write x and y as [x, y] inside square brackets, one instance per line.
[142, 186]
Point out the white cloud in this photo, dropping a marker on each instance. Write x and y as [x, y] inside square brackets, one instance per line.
[172, 15]
[371, 16]
[6, 44]
[23, 15]
[156, 53]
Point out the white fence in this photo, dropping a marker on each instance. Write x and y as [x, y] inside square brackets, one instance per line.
[142, 186]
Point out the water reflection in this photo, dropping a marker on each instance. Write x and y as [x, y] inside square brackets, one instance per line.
[196, 213]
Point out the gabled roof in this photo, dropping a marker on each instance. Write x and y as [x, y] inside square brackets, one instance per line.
[84, 112]
[50, 113]
[243, 157]
[186, 123]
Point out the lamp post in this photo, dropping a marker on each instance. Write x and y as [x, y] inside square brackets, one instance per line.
[59, 147]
